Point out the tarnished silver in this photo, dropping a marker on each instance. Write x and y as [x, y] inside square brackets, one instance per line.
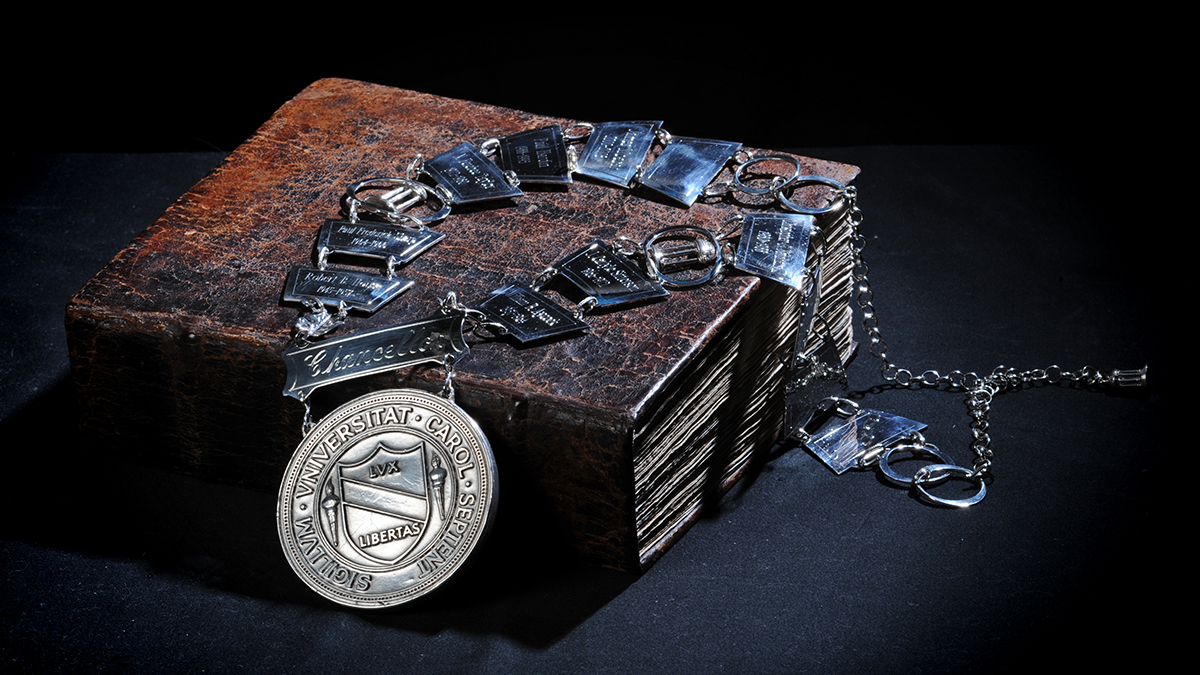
[615, 151]
[686, 166]
[385, 498]
[430, 340]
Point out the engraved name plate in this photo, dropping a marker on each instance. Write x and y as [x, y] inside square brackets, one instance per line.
[537, 156]
[686, 166]
[608, 277]
[376, 351]
[358, 290]
[376, 240]
[615, 150]
[528, 315]
[469, 176]
[843, 440]
[775, 246]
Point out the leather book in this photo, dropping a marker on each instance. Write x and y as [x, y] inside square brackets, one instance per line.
[613, 440]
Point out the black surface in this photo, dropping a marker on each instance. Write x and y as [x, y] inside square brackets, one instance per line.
[979, 256]
[786, 77]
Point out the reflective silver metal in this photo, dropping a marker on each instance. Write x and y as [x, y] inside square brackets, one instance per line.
[430, 340]
[608, 277]
[775, 246]
[537, 156]
[469, 176]
[939, 473]
[835, 204]
[679, 248]
[615, 151]
[397, 197]
[528, 315]
[686, 166]
[393, 244]
[342, 288]
[777, 182]
[979, 390]
[812, 379]
[841, 442]
[386, 498]
[915, 449]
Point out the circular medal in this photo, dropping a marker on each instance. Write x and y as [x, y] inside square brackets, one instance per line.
[386, 497]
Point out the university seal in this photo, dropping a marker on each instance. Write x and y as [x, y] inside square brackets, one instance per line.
[386, 498]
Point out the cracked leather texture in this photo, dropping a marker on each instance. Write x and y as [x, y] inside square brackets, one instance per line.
[175, 344]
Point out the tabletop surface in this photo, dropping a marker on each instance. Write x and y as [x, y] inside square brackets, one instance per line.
[979, 256]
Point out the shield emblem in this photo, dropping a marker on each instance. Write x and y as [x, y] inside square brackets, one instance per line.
[385, 504]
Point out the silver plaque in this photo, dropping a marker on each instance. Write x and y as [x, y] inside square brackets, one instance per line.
[608, 277]
[529, 316]
[375, 351]
[469, 175]
[686, 166]
[356, 290]
[537, 156]
[384, 241]
[775, 246]
[842, 440]
[615, 150]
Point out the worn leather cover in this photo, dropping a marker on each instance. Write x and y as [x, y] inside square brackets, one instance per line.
[175, 344]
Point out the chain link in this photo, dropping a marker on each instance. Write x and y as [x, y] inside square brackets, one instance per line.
[979, 390]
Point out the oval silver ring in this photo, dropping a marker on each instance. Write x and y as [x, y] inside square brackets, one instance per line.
[673, 283]
[800, 181]
[424, 192]
[737, 174]
[916, 449]
[387, 182]
[945, 471]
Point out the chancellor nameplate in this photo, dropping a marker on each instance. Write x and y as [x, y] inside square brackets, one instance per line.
[408, 344]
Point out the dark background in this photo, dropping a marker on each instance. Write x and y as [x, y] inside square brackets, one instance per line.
[773, 81]
[1009, 184]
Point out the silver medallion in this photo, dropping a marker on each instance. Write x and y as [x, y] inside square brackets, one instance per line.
[386, 498]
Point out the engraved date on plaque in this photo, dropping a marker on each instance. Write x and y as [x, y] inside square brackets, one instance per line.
[356, 290]
[469, 175]
[610, 278]
[376, 240]
[775, 246]
[528, 315]
[615, 150]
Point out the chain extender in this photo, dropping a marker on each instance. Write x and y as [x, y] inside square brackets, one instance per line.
[979, 390]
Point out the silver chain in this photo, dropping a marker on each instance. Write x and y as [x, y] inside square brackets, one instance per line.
[980, 390]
